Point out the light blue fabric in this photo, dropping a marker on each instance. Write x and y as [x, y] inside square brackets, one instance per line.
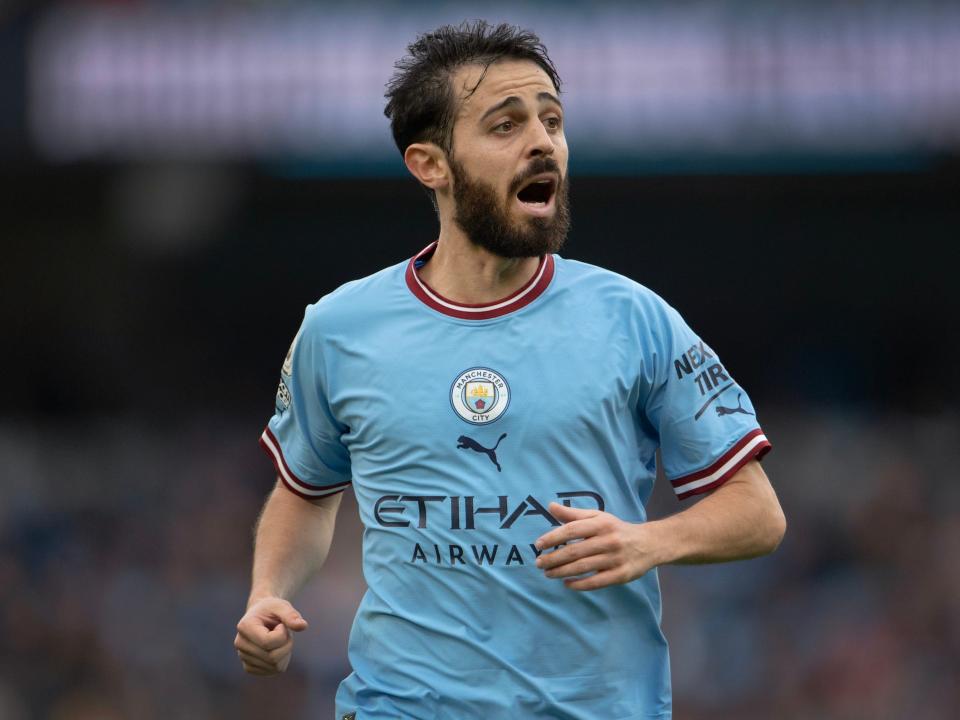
[457, 621]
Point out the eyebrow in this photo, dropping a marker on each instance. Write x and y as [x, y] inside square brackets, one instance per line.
[513, 101]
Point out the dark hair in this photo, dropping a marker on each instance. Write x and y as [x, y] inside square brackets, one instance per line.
[421, 103]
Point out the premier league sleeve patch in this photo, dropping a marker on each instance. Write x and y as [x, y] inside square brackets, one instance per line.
[287, 369]
[480, 395]
[284, 399]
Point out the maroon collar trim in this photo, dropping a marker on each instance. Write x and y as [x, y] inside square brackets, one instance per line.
[521, 298]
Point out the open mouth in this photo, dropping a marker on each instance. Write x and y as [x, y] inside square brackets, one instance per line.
[537, 195]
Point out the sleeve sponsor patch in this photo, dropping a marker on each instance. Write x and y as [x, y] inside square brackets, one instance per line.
[709, 375]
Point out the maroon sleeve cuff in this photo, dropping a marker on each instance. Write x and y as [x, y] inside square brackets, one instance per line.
[271, 446]
[752, 445]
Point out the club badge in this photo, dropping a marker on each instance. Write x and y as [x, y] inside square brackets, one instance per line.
[479, 395]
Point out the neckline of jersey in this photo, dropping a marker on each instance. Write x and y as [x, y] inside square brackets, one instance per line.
[530, 291]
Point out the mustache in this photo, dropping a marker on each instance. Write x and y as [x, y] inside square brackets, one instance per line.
[537, 166]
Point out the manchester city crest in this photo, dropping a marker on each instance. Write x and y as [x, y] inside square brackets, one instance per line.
[480, 395]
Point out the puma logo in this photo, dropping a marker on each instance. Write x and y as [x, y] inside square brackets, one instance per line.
[468, 443]
[721, 410]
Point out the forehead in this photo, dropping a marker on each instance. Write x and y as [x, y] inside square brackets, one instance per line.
[522, 78]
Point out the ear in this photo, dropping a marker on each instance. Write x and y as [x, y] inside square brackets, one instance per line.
[427, 162]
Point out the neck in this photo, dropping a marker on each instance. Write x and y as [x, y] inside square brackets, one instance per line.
[471, 275]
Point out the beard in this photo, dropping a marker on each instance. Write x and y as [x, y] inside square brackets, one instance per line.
[486, 220]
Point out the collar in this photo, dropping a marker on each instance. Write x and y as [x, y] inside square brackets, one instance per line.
[531, 290]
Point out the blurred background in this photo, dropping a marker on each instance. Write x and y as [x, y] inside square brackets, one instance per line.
[179, 179]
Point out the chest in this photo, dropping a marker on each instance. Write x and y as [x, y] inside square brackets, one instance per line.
[554, 384]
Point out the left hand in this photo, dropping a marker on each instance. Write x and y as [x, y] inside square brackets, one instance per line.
[614, 551]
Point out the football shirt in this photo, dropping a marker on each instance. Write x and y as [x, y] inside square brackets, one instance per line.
[456, 426]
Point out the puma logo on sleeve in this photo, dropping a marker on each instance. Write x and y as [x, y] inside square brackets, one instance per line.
[468, 443]
[721, 410]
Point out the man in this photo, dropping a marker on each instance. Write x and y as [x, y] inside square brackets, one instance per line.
[497, 409]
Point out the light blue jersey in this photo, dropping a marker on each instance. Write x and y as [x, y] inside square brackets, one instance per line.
[457, 426]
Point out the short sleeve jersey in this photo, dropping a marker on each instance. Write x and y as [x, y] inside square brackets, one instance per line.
[456, 426]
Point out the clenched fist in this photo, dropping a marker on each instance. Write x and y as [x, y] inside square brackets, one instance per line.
[264, 640]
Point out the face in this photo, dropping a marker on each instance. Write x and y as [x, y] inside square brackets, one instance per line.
[509, 160]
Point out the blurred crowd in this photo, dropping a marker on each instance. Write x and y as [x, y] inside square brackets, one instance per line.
[126, 549]
[184, 179]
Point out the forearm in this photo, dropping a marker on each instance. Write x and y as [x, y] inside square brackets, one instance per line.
[739, 520]
[292, 541]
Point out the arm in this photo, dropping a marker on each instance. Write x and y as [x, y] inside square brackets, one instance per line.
[740, 519]
[293, 538]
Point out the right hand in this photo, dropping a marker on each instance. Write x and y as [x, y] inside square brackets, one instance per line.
[264, 641]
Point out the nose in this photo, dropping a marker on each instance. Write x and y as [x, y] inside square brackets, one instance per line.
[541, 143]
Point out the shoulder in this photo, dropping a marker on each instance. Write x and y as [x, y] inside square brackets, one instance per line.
[354, 303]
[594, 284]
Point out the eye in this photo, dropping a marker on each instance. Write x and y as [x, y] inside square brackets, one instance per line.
[504, 127]
[553, 122]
